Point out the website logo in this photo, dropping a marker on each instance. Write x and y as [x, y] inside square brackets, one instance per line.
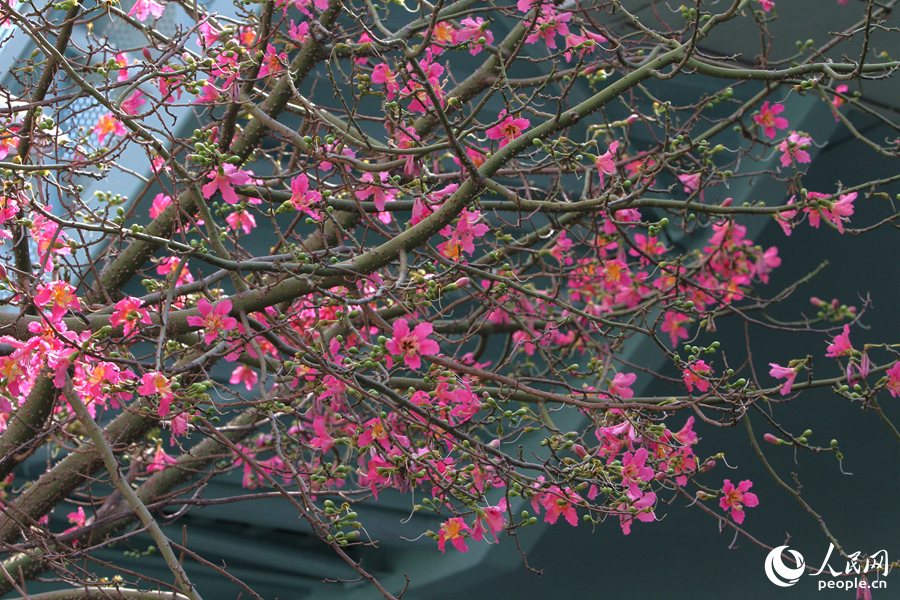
[781, 574]
[854, 575]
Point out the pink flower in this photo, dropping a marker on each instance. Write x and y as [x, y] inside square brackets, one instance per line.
[794, 148]
[132, 105]
[893, 381]
[841, 210]
[144, 8]
[621, 385]
[838, 101]
[383, 74]
[412, 344]
[635, 471]
[462, 239]
[492, 516]
[160, 460]
[213, 320]
[693, 376]
[559, 502]
[241, 219]
[122, 61]
[508, 129]
[453, 530]
[244, 374]
[128, 313]
[60, 295]
[155, 382]
[108, 124]
[767, 6]
[733, 497]
[303, 198]
[209, 35]
[299, 33]
[159, 205]
[841, 344]
[640, 505]
[77, 518]
[379, 193]
[585, 43]
[691, 183]
[222, 179]
[788, 373]
[606, 162]
[323, 441]
[475, 29]
[272, 61]
[673, 323]
[548, 25]
[769, 120]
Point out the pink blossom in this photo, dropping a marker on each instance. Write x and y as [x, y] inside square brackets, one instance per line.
[209, 35]
[122, 61]
[223, 178]
[606, 162]
[412, 344]
[214, 320]
[841, 210]
[303, 198]
[241, 219]
[132, 105]
[769, 120]
[691, 183]
[767, 6]
[694, 376]
[635, 471]
[379, 193]
[673, 323]
[508, 129]
[382, 74]
[838, 101]
[621, 385]
[788, 373]
[60, 295]
[453, 530]
[128, 313]
[160, 461]
[585, 43]
[108, 124]
[155, 382]
[160, 202]
[686, 434]
[549, 24]
[323, 441]
[641, 505]
[244, 374]
[794, 149]
[144, 8]
[272, 61]
[559, 502]
[893, 381]
[299, 33]
[462, 239]
[492, 516]
[841, 344]
[444, 34]
[734, 497]
[474, 30]
[208, 93]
